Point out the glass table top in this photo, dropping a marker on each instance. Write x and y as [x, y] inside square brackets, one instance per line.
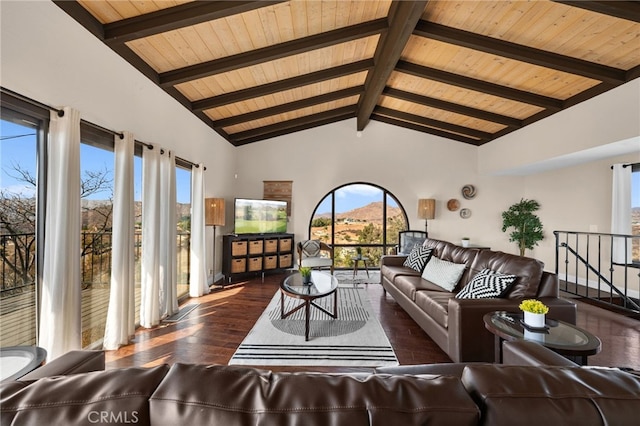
[322, 283]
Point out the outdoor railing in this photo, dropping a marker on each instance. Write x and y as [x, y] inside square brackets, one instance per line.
[586, 267]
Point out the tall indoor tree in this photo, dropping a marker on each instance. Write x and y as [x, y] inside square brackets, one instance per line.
[527, 227]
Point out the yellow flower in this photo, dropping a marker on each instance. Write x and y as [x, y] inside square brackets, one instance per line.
[534, 306]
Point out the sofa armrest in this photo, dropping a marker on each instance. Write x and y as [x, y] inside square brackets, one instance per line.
[469, 340]
[392, 260]
[70, 363]
[523, 352]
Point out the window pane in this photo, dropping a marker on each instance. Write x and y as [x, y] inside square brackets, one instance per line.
[183, 220]
[96, 169]
[17, 233]
[137, 236]
[358, 226]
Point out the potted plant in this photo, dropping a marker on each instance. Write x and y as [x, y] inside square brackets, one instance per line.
[534, 312]
[527, 228]
[305, 272]
[465, 241]
[359, 252]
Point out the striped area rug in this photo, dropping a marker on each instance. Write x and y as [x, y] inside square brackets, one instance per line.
[354, 339]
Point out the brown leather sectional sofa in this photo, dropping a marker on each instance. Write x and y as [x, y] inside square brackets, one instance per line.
[529, 392]
[456, 325]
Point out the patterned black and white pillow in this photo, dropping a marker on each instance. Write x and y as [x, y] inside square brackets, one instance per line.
[486, 284]
[418, 258]
[310, 248]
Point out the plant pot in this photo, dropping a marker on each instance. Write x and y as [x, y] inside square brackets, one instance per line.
[534, 320]
[465, 243]
[306, 279]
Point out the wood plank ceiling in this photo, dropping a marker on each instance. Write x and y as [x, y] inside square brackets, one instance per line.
[470, 71]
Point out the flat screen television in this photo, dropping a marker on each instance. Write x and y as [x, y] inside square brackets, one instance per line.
[259, 216]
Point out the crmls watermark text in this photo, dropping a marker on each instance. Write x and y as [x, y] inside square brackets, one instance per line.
[118, 417]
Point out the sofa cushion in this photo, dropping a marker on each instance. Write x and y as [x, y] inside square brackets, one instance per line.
[509, 395]
[443, 273]
[409, 284]
[117, 396]
[418, 258]
[392, 272]
[310, 248]
[233, 395]
[435, 304]
[528, 270]
[487, 284]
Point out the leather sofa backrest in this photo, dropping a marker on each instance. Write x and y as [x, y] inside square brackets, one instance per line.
[234, 395]
[528, 270]
[119, 396]
[533, 396]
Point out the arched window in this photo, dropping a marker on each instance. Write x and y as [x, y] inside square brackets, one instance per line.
[356, 217]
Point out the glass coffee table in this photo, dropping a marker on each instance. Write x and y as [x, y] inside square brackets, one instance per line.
[561, 337]
[322, 285]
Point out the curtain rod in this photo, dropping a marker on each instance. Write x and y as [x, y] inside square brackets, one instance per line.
[60, 113]
[623, 166]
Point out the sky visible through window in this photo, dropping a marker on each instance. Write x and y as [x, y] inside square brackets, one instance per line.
[19, 147]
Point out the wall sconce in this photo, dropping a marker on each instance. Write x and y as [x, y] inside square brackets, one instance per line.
[426, 211]
[214, 216]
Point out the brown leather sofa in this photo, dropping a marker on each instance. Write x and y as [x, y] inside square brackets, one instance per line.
[456, 325]
[526, 393]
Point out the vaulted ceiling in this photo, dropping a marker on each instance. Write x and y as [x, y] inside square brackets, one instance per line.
[469, 71]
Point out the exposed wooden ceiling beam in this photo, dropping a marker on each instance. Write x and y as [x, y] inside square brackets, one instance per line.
[270, 53]
[295, 129]
[176, 17]
[519, 52]
[289, 106]
[430, 122]
[308, 121]
[280, 85]
[403, 16]
[629, 10]
[450, 106]
[423, 129]
[479, 85]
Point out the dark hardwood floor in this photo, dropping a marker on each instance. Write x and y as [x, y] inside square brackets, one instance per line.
[211, 333]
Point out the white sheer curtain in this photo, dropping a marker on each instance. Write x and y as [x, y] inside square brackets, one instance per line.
[168, 225]
[198, 271]
[150, 279]
[121, 313]
[621, 213]
[60, 307]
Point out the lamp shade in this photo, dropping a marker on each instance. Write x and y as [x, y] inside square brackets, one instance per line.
[426, 208]
[214, 211]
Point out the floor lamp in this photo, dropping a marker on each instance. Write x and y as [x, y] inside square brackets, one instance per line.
[426, 211]
[214, 216]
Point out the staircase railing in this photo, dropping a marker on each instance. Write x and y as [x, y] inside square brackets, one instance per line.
[586, 267]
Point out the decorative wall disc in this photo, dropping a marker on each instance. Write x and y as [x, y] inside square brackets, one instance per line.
[465, 213]
[453, 204]
[468, 191]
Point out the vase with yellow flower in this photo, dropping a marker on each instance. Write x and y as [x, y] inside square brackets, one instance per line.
[534, 312]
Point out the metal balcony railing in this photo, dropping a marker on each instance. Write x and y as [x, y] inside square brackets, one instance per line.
[586, 267]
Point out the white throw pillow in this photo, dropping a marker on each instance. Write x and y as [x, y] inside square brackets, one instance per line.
[443, 273]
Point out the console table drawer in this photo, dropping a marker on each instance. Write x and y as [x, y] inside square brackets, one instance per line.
[285, 244]
[270, 262]
[255, 247]
[286, 261]
[239, 248]
[271, 246]
[238, 266]
[255, 264]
